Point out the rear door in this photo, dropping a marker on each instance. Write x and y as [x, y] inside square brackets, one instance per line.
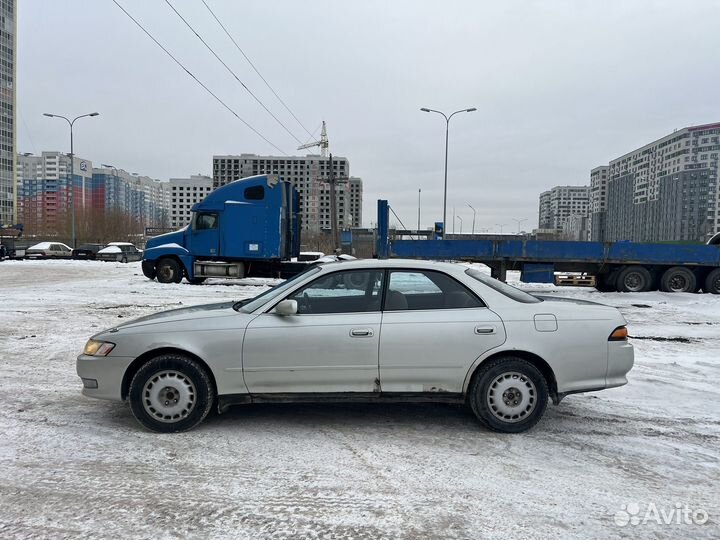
[433, 329]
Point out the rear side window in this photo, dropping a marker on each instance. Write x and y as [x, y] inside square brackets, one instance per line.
[255, 193]
[502, 288]
[427, 289]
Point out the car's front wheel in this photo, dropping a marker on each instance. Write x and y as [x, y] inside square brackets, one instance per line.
[509, 394]
[171, 393]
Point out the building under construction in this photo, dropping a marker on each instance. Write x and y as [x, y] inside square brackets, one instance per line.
[311, 176]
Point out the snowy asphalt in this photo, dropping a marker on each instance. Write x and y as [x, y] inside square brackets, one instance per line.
[71, 467]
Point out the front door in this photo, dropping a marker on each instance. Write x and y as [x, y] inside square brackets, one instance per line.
[204, 238]
[433, 329]
[329, 346]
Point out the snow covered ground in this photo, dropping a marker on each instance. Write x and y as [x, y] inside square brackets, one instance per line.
[75, 467]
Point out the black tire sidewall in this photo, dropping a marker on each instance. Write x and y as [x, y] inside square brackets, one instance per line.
[172, 263]
[669, 274]
[481, 385]
[647, 276]
[205, 392]
[711, 277]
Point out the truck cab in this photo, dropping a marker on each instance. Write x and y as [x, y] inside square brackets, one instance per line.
[240, 228]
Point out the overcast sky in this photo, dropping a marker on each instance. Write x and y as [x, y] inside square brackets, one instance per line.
[560, 87]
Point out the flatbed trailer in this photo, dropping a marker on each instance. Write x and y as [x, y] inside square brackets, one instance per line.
[617, 266]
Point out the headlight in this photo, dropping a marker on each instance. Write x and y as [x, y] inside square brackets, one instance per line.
[98, 348]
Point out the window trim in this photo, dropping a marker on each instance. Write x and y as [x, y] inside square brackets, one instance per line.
[388, 272]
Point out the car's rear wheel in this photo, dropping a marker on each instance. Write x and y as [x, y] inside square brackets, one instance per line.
[508, 394]
[169, 271]
[171, 393]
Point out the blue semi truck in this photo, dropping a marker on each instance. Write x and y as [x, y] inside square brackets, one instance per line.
[249, 227]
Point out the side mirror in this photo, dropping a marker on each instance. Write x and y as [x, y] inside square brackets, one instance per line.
[286, 307]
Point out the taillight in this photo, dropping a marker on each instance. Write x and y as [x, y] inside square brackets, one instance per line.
[619, 334]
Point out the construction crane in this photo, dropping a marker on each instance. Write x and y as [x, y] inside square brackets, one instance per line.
[322, 143]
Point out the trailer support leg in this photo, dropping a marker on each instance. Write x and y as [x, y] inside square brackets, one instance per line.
[499, 271]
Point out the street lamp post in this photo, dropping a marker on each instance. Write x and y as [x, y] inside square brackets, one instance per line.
[419, 191]
[474, 212]
[519, 221]
[501, 225]
[447, 131]
[460, 218]
[72, 166]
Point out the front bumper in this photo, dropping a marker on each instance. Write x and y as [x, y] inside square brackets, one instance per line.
[107, 371]
[621, 358]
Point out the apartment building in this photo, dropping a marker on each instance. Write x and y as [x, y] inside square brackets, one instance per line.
[667, 190]
[561, 202]
[182, 194]
[309, 174]
[8, 131]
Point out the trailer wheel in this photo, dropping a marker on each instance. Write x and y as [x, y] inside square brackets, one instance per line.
[712, 282]
[169, 271]
[607, 282]
[678, 279]
[634, 279]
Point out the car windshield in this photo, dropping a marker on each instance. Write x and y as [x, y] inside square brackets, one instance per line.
[251, 304]
[502, 288]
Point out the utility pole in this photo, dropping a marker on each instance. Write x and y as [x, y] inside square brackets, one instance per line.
[473, 225]
[453, 221]
[418, 227]
[333, 207]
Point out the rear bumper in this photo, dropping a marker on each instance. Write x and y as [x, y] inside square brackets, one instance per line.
[107, 372]
[621, 358]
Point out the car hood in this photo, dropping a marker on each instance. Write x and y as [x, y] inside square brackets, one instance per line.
[204, 311]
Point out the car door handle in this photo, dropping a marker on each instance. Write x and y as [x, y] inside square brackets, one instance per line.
[361, 332]
[484, 330]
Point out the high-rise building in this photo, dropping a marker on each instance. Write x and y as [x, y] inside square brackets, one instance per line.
[142, 198]
[182, 194]
[598, 203]
[309, 175]
[8, 134]
[44, 200]
[561, 202]
[45, 190]
[667, 190]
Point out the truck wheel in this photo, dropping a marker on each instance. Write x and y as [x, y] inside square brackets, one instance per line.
[607, 282]
[634, 279]
[678, 279]
[509, 394]
[712, 282]
[171, 393]
[148, 269]
[169, 271]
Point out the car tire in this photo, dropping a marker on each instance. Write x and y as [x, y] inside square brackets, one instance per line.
[123, 260]
[169, 271]
[634, 279]
[171, 393]
[712, 282]
[678, 279]
[508, 394]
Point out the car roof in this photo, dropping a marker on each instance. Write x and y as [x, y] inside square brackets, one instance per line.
[394, 263]
[120, 244]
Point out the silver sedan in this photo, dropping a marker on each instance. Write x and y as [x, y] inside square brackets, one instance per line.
[376, 330]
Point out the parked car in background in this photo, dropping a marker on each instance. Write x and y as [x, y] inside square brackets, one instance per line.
[375, 330]
[49, 250]
[87, 251]
[119, 252]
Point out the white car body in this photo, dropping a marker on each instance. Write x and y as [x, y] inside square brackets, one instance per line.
[257, 354]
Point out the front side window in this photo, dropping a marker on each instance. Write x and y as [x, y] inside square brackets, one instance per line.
[205, 221]
[427, 289]
[353, 291]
